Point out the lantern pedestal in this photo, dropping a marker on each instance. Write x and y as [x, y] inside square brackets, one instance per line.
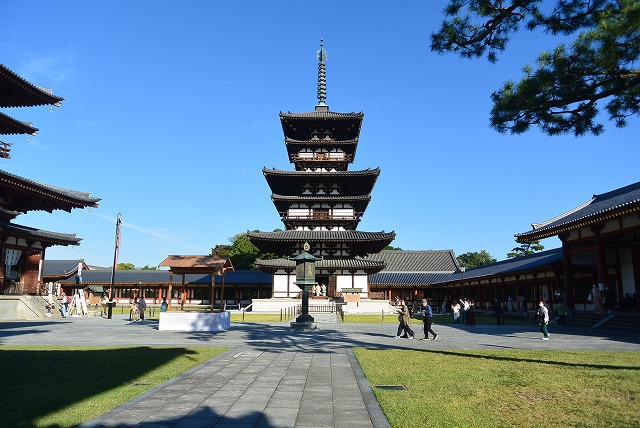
[305, 279]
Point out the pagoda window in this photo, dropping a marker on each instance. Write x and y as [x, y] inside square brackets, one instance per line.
[321, 214]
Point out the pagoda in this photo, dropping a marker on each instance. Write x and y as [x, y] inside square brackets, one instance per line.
[321, 202]
[22, 248]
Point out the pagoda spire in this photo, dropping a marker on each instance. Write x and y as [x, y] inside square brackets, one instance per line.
[321, 55]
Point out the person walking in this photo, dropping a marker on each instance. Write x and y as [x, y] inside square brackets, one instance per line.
[64, 304]
[142, 306]
[134, 310]
[560, 312]
[497, 311]
[543, 319]
[164, 305]
[427, 318]
[404, 319]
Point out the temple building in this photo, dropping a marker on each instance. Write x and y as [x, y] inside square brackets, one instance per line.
[600, 245]
[321, 202]
[22, 248]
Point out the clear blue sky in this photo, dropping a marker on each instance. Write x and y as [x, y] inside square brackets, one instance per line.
[171, 112]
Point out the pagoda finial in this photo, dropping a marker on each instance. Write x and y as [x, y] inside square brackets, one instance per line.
[321, 55]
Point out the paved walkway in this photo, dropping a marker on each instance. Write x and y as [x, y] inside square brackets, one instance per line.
[276, 377]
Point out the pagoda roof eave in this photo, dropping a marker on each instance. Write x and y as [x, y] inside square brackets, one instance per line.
[319, 142]
[320, 115]
[17, 92]
[328, 265]
[11, 126]
[45, 237]
[287, 242]
[40, 196]
[321, 236]
[306, 174]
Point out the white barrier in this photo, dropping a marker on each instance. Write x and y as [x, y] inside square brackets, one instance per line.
[195, 321]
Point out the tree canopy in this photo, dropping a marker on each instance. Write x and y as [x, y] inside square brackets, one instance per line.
[475, 258]
[526, 249]
[563, 93]
[242, 252]
[125, 266]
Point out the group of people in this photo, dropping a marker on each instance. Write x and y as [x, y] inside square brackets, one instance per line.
[319, 290]
[404, 321]
[138, 307]
[602, 298]
[465, 307]
[464, 312]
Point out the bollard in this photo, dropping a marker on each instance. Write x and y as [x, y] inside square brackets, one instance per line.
[383, 317]
[280, 314]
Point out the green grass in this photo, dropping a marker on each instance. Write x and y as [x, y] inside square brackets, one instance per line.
[54, 386]
[254, 317]
[506, 388]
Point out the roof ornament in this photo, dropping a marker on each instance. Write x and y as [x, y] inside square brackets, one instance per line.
[321, 56]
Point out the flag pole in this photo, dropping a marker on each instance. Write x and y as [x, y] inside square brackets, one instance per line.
[113, 268]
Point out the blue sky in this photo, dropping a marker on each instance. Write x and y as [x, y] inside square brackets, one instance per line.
[171, 112]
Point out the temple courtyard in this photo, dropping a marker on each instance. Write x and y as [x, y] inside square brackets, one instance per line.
[275, 376]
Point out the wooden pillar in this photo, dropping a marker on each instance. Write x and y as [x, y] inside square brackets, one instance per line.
[183, 293]
[222, 301]
[170, 291]
[569, 289]
[601, 260]
[212, 291]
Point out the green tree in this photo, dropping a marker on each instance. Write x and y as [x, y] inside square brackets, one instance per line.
[147, 267]
[525, 249]
[475, 258]
[242, 252]
[563, 94]
[125, 266]
[391, 247]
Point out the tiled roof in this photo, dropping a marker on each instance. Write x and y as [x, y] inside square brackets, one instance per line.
[322, 236]
[320, 174]
[60, 267]
[195, 262]
[331, 115]
[43, 236]
[161, 277]
[291, 182]
[608, 205]
[11, 126]
[533, 262]
[17, 92]
[321, 143]
[417, 261]
[356, 263]
[57, 197]
[407, 278]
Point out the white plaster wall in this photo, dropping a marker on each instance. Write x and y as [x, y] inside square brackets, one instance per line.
[626, 272]
[359, 281]
[282, 286]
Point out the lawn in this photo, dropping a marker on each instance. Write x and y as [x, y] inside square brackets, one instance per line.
[51, 386]
[506, 388]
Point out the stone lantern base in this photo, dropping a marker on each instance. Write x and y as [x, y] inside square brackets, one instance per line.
[304, 325]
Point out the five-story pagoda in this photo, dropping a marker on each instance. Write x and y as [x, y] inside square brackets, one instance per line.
[321, 202]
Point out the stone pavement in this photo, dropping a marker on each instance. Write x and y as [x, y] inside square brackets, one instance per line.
[277, 377]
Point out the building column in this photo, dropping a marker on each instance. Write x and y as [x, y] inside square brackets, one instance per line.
[567, 268]
[601, 260]
[170, 291]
